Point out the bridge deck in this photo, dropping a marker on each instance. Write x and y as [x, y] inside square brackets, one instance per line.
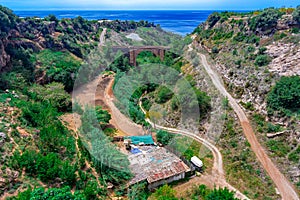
[140, 47]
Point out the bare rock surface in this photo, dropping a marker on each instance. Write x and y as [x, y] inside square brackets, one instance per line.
[286, 60]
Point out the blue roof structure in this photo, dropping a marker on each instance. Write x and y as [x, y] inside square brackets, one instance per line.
[145, 139]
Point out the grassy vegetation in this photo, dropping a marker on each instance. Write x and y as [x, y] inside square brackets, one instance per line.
[47, 153]
[240, 164]
[186, 146]
[39, 76]
[159, 82]
[58, 66]
[200, 192]
[285, 96]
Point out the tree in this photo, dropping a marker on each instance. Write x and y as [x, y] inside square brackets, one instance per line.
[50, 194]
[296, 15]
[53, 93]
[266, 20]
[164, 137]
[262, 60]
[106, 157]
[213, 19]
[138, 192]
[285, 94]
[103, 116]
[164, 193]
[223, 194]
[164, 94]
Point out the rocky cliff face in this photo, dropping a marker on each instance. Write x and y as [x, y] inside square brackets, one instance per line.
[77, 35]
[285, 58]
[4, 57]
[252, 52]
[236, 48]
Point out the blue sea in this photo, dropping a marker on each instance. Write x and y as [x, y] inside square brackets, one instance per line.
[178, 21]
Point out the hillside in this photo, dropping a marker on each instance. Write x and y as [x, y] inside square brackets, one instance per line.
[257, 54]
[40, 60]
[53, 144]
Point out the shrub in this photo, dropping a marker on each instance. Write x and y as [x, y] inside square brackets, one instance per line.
[52, 193]
[262, 60]
[59, 67]
[279, 148]
[164, 137]
[164, 193]
[295, 155]
[285, 94]
[250, 49]
[164, 94]
[215, 50]
[202, 192]
[296, 15]
[266, 20]
[262, 50]
[53, 93]
[213, 19]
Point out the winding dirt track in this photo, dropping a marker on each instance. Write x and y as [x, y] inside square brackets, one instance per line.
[217, 170]
[285, 188]
[120, 121]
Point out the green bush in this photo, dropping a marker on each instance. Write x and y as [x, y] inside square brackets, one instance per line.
[202, 192]
[262, 60]
[295, 155]
[296, 14]
[164, 137]
[266, 20]
[51, 194]
[213, 19]
[215, 50]
[7, 20]
[262, 50]
[285, 94]
[53, 93]
[250, 49]
[279, 148]
[47, 168]
[164, 94]
[103, 116]
[60, 67]
[164, 193]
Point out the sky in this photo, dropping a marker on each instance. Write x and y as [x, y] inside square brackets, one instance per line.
[146, 4]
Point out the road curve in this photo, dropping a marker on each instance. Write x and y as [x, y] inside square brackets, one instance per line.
[284, 187]
[217, 170]
[102, 37]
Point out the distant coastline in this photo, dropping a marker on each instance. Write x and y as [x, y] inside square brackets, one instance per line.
[178, 21]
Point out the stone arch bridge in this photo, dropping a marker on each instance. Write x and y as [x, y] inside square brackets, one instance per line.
[134, 51]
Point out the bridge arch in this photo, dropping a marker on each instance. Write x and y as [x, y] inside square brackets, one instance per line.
[158, 51]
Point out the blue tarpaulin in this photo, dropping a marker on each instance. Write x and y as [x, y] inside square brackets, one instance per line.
[135, 151]
[145, 139]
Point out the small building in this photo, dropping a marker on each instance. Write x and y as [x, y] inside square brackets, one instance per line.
[140, 140]
[156, 165]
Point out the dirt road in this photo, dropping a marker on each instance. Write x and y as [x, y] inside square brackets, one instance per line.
[99, 93]
[218, 176]
[285, 188]
[102, 37]
[119, 120]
